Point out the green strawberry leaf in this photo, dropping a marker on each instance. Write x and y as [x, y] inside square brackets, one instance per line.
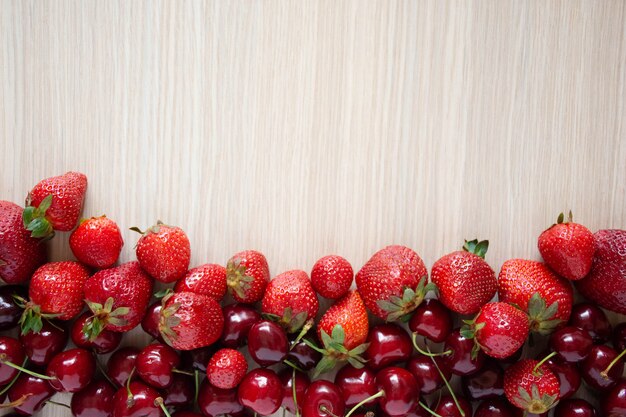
[338, 334]
[476, 247]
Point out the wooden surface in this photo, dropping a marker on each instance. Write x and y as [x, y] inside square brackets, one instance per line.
[303, 128]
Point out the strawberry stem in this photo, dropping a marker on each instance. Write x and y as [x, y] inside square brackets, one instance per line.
[371, 397]
[425, 407]
[541, 362]
[605, 373]
[20, 368]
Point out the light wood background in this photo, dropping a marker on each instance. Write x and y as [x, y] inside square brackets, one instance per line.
[303, 128]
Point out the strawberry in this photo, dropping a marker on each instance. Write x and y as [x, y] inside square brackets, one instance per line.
[531, 387]
[55, 204]
[56, 290]
[163, 252]
[247, 275]
[207, 279]
[332, 276]
[190, 321]
[118, 298]
[567, 248]
[289, 298]
[226, 368]
[393, 282]
[606, 284]
[97, 242]
[532, 286]
[499, 329]
[465, 281]
[343, 330]
[20, 254]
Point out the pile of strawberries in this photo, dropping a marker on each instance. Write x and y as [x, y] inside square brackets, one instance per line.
[394, 347]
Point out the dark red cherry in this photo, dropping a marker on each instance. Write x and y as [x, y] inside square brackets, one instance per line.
[356, 385]
[95, 400]
[180, 392]
[186, 414]
[150, 321]
[416, 412]
[301, 385]
[587, 316]
[303, 355]
[10, 351]
[29, 393]
[494, 407]
[155, 364]
[197, 359]
[614, 404]
[238, 319]
[571, 343]
[460, 360]
[121, 364]
[488, 382]
[323, 399]
[568, 374]
[261, 391]
[619, 337]
[214, 401]
[446, 407]
[141, 403]
[106, 342]
[596, 363]
[574, 407]
[72, 370]
[10, 312]
[41, 347]
[401, 391]
[389, 343]
[267, 343]
[425, 372]
[431, 319]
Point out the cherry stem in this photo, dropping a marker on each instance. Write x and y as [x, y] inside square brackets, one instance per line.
[425, 407]
[423, 352]
[57, 403]
[372, 397]
[305, 329]
[325, 409]
[293, 365]
[605, 373]
[28, 371]
[159, 402]
[293, 392]
[541, 362]
[105, 375]
[52, 324]
[196, 381]
[445, 380]
[130, 394]
[178, 371]
[10, 384]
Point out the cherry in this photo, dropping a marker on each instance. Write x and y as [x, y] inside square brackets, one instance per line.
[614, 404]
[303, 355]
[141, 401]
[592, 368]
[95, 400]
[323, 399]
[568, 374]
[571, 343]
[10, 350]
[416, 412]
[267, 343]
[431, 319]
[425, 372]
[106, 342]
[494, 407]
[619, 337]
[214, 401]
[238, 319]
[71, 370]
[10, 312]
[388, 343]
[302, 383]
[446, 407]
[41, 347]
[400, 391]
[488, 382]
[574, 407]
[356, 385]
[460, 361]
[180, 392]
[513, 358]
[150, 321]
[587, 316]
[29, 393]
[262, 391]
[197, 359]
[155, 365]
[121, 364]
[186, 414]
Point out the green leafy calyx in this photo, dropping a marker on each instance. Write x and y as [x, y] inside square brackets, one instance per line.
[541, 316]
[399, 308]
[103, 315]
[476, 247]
[334, 351]
[35, 220]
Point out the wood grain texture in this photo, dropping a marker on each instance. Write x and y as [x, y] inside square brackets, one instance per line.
[302, 128]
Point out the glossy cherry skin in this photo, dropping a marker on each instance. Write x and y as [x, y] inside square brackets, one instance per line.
[568, 374]
[431, 319]
[598, 359]
[150, 321]
[267, 343]
[303, 355]
[418, 411]
[446, 407]
[302, 383]
[494, 407]
[41, 347]
[180, 392]
[106, 342]
[460, 360]
[197, 359]
[400, 388]
[121, 364]
[186, 414]
[571, 343]
[214, 401]
[10, 312]
[323, 399]
[574, 407]
[356, 385]
[31, 393]
[95, 400]
[488, 382]
[72, 370]
[238, 319]
[142, 403]
[614, 404]
[619, 337]
[587, 316]
[12, 351]
[426, 374]
[261, 391]
[155, 364]
[389, 343]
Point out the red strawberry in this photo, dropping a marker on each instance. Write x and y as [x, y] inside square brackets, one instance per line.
[343, 330]
[465, 281]
[118, 298]
[55, 204]
[20, 254]
[606, 284]
[531, 285]
[190, 321]
[226, 368]
[97, 242]
[533, 390]
[56, 290]
[247, 275]
[332, 276]
[499, 329]
[290, 298]
[163, 252]
[393, 282]
[567, 248]
[207, 279]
